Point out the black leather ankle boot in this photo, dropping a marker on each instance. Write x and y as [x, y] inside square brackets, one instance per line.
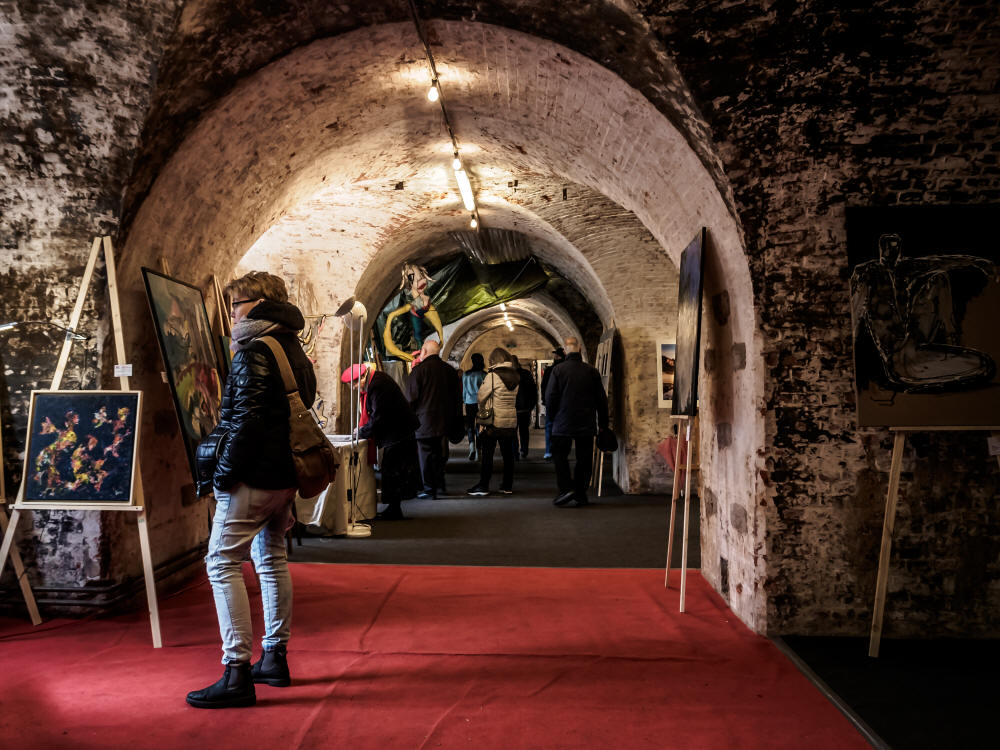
[234, 690]
[272, 669]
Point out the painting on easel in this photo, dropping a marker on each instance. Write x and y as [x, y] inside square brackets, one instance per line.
[925, 301]
[689, 292]
[189, 353]
[81, 446]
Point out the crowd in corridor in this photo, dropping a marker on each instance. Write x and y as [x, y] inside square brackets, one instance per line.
[258, 455]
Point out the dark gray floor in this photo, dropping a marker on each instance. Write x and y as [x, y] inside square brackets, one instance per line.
[523, 529]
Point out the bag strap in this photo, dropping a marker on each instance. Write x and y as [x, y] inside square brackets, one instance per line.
[282, 359]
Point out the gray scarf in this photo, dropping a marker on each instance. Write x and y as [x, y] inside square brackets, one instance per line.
[249, 329]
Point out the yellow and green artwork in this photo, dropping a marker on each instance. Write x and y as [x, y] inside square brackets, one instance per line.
[189, 354]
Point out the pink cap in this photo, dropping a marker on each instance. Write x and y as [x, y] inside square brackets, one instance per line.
[354, 372]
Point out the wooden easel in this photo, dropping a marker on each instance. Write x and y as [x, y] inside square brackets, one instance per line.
[15, 555]
[684, 442]
[139, 507]
[882, 578]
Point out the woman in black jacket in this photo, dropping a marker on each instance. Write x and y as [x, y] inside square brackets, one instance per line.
[254, 482]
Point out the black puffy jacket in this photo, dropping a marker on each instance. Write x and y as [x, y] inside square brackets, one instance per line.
[575, 399]
[253, 421]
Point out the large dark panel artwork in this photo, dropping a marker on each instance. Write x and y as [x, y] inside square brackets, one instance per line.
[81, 446]
[189, 353]
[925, 309]
[685, 397]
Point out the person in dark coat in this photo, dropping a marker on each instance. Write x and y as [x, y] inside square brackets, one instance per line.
[254, 481]
[577, 406]
[558, 356]
[391, 425]
[527, 400]
[434, 390]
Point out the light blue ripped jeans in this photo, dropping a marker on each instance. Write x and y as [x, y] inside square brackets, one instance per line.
[246, 517]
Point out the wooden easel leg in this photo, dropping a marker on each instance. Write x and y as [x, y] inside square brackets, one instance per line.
[883, 559]
[687, 515]
[674, 493]
[15, 559]
[600, 473]
[147, 568]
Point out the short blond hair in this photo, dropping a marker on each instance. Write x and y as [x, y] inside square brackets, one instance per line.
[257, 285]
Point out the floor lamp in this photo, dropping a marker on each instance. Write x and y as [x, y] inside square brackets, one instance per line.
[354, 314]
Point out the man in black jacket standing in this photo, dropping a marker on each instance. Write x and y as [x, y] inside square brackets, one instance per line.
[578, 406]
[391, 426]
[255, 482]
[435, 393]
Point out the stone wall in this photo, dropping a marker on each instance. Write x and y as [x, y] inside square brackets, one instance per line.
[75, 83]
[883, 104]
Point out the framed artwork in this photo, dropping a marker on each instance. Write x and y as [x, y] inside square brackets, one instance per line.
[189, 355]
[690, 283]
[605, 350]
[666, 365]
[925, 301]
[81, 447]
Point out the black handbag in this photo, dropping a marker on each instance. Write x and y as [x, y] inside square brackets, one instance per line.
[206, 458]
[485, 414]
[606, 441]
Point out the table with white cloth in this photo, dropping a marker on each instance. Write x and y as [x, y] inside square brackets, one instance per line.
[328, 512]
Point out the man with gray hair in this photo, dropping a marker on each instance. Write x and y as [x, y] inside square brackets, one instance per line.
[578, 405]
[435, 394]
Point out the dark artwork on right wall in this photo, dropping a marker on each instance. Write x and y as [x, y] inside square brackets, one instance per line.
[690, 283]
[925, 308]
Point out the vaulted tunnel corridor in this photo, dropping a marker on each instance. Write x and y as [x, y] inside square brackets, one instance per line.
[213, 137]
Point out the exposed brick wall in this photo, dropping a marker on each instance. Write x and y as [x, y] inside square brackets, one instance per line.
[75, 81]
[880, 104]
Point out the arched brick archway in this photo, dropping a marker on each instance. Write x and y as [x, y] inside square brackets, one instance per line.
[332, 129]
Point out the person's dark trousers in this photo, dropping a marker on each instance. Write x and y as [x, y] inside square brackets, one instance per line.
[487, 446]
[397, 469]
[580, 478]
[548, 435]
[523, 425]
[470, 421]
[431, 463]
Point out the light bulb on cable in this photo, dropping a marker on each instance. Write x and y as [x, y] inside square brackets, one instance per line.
[456, 163]
[473, 224]
[503, 307]
[432, 92]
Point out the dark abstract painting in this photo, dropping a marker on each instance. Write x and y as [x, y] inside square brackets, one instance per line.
[81, 446]
[189, 354]
[685, 401]
[925, 309]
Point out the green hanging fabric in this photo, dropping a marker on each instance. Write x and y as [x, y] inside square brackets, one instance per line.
[459, 288]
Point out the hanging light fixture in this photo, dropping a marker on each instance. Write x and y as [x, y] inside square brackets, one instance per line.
[465, 188]
[432, 93]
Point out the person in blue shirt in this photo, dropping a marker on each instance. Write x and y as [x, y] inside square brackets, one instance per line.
[471, 380]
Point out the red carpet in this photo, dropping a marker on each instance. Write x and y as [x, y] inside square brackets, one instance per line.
[427, 657]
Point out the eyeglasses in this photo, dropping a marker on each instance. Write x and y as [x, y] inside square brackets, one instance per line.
[242, 301]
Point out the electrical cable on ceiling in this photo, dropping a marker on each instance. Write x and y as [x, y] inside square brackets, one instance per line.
[435, 94]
